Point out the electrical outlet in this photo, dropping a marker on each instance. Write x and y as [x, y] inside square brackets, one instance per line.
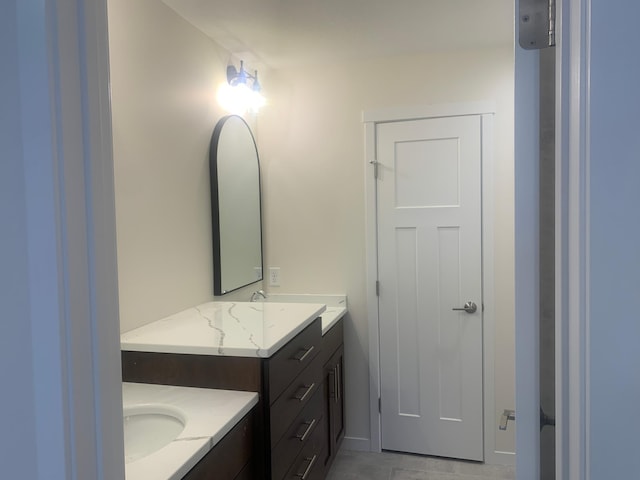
[274, 276]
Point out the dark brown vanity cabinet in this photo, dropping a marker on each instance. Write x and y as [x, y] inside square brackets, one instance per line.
[289, 425]
[333, 374]
[294, 393]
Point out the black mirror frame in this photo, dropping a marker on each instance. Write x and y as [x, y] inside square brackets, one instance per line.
[215, 204]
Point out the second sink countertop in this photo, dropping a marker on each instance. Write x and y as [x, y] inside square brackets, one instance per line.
[210, 415]
[243, 329]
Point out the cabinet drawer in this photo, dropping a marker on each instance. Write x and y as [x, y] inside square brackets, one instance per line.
[308, 463]
[296, 437]
[286, 364]
[294, 398]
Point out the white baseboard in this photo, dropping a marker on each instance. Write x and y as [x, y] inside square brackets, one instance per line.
[364, 445]
[356, 444]
[500, 458]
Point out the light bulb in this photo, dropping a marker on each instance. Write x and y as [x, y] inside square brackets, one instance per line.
[231, 99]
[238, 99]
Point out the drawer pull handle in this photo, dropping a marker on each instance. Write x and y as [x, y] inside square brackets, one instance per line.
[312, 460]
[304, 355]
[306, 433]
[304, 396]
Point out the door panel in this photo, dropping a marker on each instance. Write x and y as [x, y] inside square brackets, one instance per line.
[424, 176]
[429, 260]
[408, 375]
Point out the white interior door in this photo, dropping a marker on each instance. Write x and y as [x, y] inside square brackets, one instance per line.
[429, 260]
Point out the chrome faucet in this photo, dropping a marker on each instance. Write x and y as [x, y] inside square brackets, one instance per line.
[256, 295]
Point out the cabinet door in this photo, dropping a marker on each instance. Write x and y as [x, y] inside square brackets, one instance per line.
[334, 405]
[329, 377]
[230, 457]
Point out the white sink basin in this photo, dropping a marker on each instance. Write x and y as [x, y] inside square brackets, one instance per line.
[148, 428]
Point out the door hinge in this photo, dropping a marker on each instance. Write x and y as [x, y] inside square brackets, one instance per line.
[379, 405]
[537, 24]
[552, 23]
[377, 288]
[375, 168]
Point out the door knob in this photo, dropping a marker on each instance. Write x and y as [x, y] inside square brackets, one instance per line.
[469, 307]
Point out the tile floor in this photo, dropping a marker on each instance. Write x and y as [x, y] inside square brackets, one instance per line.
[350, 465]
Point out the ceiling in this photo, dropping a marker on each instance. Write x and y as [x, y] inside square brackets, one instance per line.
[285, 33]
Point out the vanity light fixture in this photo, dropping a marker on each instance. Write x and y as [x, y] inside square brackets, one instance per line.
[241, 92]
[241, 77]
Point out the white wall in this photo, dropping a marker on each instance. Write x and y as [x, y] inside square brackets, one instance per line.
[312, 143]
[164, 76]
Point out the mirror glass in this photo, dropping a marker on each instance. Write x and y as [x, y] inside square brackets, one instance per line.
[235, 206]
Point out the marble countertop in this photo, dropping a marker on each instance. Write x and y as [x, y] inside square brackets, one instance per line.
[330, 317]
[336, 305]
[209, 415]
[238, 329]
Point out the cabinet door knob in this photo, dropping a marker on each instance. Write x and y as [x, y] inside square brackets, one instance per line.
[332, 383]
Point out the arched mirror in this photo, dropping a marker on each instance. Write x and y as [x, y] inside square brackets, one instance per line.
[235, 206]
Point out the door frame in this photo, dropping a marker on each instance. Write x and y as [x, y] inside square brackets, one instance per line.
[574, 34]
[486, 110]
[59, 69]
